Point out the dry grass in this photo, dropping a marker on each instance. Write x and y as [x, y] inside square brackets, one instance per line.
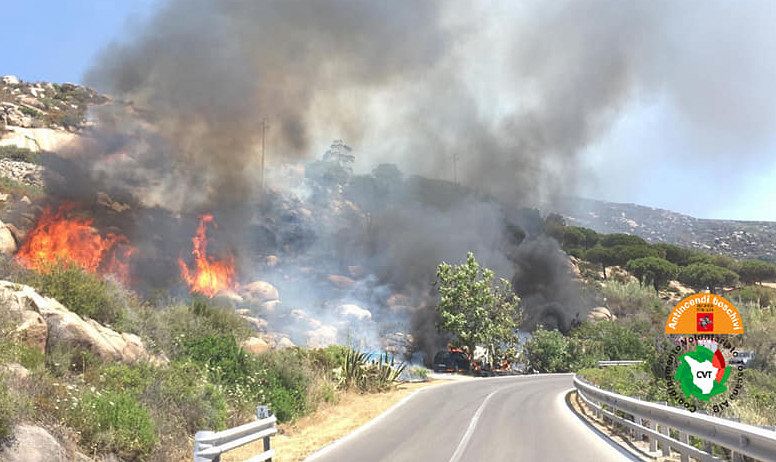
[299, 439]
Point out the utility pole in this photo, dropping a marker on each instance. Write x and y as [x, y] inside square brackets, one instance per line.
[455, 167]
[263, 151]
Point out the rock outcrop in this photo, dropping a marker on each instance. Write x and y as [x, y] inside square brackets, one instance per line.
[261, 293]
[7, 241]
[32, 330]
[32, 443]
[23, 172]
[255, 345]
[600, 313]
[63, 327]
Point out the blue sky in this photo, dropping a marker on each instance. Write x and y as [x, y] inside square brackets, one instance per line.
[650, 155]
[57, 39]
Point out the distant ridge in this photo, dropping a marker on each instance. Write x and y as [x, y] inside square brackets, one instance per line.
[740, 239]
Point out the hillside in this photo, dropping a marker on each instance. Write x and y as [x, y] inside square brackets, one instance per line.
[739, 239]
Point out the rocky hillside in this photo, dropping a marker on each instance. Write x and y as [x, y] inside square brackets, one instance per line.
[739, 239]
[44, 104]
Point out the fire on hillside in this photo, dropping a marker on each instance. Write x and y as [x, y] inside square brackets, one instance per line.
[63, 234]
[209, 276]
[60, 235]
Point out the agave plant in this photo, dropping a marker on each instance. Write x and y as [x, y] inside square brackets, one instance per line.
[364, 375]
[353, 368]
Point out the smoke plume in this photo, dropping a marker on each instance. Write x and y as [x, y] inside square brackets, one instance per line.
[501, 99]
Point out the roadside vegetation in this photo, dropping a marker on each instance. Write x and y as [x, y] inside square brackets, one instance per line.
[146, 411]
[632, 278]
[641, 307]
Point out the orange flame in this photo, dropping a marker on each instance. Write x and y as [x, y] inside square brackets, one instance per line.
[56, 237]
[209, 276]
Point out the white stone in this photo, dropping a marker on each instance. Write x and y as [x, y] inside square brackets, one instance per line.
[10, 80]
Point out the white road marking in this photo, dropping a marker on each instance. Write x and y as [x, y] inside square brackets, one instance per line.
[470, 430]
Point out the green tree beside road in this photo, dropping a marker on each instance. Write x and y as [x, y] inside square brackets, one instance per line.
[476, 308]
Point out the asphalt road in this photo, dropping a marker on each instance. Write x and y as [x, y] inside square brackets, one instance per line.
[522, 418]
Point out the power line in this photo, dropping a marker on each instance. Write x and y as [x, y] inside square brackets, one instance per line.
[263, 151]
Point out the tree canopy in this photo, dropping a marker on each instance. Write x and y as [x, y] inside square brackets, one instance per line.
[476, 308]
[653, 270]
[603, 256]
[753, 271]
[611, 240]
[704, 275]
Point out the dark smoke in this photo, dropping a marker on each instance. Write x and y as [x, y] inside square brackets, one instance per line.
[501, 98]
[550, 297]
[202, 75]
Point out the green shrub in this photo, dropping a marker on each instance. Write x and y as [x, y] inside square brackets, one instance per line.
[64, 360]
[113, 421]
[221, 319]
[416, 374]
[7, 412]
[179, 398]
[329, 358]
[629, 298]
[634, 381]
[548, 351]
[361, 372]
[19, 154]
[289, 376]
[19, 189]
[183, 394]
[611, 340]
[132, 379]
[83, 293]
[762, 296]
[12, 352]
[168, 329]
[758, 404]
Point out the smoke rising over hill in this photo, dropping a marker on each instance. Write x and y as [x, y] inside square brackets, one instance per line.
[504, 99]
[514, 92]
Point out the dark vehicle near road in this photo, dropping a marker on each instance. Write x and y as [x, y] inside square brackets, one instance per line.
[451, 361]
[743, 358]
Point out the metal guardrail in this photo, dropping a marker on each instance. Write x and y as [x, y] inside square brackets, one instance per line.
[672, 427]
[208, 445]
[620, 363]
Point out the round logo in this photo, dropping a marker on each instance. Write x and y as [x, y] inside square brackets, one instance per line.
[699, 368]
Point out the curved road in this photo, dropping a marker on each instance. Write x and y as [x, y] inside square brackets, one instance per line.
[520, 418]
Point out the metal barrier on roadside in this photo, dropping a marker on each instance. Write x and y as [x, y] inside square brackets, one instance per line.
[671, 428]
[208, 445]
[619, 363]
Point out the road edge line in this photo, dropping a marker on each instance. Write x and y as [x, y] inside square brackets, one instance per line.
[470, 429]
[339, 441]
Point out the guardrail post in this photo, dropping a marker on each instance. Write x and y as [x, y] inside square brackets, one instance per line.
[263, 412]
[665, 447]
[684, 438]
[652, 440]
[199, 447]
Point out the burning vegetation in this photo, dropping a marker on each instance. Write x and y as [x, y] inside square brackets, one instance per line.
[61, 235]
[209, 276]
